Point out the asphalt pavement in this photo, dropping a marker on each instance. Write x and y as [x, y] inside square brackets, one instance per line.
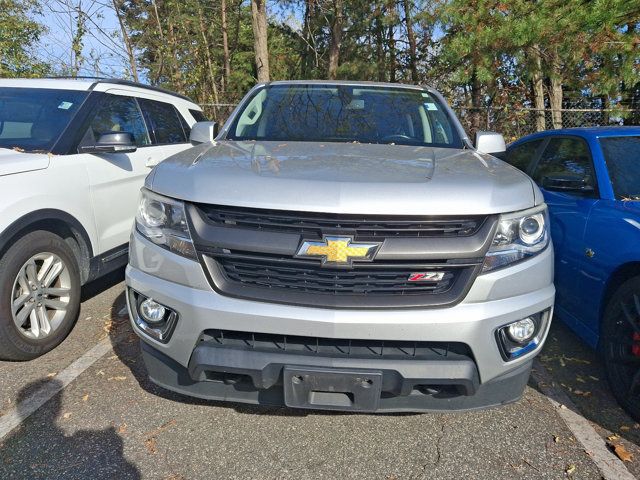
[110, 422]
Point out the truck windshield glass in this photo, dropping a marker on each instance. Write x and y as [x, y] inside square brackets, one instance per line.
[345, 113]
[622, 155]
[32, 119]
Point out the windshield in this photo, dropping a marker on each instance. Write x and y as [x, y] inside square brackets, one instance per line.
[341, 113]
[32, 119]
[622, 155]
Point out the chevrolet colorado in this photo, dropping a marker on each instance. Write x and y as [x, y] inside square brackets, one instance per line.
[341, 245]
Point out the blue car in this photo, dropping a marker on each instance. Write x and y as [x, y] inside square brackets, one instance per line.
[590, 178]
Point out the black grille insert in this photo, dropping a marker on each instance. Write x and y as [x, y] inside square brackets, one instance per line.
[335, 347]
[305, 282]
[365, 226]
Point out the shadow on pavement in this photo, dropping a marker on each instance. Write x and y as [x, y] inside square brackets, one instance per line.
[52, 453]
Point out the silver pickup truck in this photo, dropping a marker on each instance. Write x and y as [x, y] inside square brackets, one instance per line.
[341, 245]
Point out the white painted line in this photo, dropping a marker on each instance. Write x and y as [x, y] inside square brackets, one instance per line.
[33, 402]
[609, 465]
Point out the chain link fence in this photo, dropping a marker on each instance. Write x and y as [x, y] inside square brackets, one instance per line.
[516, 123]
[510, 122]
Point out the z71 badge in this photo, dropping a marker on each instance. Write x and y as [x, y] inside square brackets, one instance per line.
[426, 276]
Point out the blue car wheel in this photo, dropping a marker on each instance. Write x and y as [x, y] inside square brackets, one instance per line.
[621, 345]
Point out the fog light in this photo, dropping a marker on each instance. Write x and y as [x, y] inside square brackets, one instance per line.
[522, 331]
[523, 336]
[150, 317]
[151, 311]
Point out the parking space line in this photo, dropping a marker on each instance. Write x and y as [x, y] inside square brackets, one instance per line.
[18, 414]
[609, 465]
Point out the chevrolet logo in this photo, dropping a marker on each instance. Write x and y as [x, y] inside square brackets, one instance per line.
[337, 250]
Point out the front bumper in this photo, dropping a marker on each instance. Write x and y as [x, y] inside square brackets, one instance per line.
[483, 379]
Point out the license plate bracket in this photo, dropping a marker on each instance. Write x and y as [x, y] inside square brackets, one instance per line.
[332, 389]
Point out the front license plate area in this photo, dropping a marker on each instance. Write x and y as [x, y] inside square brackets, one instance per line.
[332, 389]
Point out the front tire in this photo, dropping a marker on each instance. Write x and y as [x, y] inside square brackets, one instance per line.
[39, 295]
[620, 339]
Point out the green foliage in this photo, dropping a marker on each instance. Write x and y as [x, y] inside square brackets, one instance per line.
[18, 34]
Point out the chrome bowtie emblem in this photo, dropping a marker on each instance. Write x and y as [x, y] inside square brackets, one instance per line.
[335, 250]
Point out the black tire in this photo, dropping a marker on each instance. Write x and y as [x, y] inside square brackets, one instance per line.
[13, 344]
[620, 341]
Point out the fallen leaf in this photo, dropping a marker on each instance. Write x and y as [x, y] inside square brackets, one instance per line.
[151, 445]
[570, 469]
[613, 438]
[122, 429]
[580, 379]
[595, 379]
[622, 453]
[624, 428]
[581, 393]
[556, 439]
[100, 372]
[66, 415]
[113, 357]
[51, 375]
[85, 397]
[117, 378]
[563, 407]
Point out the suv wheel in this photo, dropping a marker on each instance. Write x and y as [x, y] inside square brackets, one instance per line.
[39, 295]
[621, 345]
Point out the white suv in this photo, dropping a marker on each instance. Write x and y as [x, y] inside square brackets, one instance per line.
[73, 156]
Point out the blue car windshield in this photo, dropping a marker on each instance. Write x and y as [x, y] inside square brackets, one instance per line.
[345, 113]
[622, 155]
[32, 119]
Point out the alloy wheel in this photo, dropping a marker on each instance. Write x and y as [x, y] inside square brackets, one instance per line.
[40, 295]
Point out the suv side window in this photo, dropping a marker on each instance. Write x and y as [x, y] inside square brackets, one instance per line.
[164, 122]
[522, 155]
[567, 157]
[116, 113]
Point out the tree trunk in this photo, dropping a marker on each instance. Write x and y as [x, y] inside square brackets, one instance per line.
[391, 40]
[380, 56]
[261, 49]
[336, 38]
[162, 48]
[476, 103]
[413, 50]
[555, 92]
[127, 42]
[537, 87]
[225, 45]
[207, 56]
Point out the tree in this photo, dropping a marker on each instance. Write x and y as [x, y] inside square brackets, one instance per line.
[337, 25]
[19, 33]
[259, 22]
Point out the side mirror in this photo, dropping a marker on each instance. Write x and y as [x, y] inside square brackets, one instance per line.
[112, 142]
[564, 183]
[490, 142]
[203, 132]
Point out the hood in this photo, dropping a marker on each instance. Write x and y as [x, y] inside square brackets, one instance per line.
[12, 161]
[344, 178]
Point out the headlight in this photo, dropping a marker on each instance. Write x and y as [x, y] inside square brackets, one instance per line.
[163, 221]
[520, 235]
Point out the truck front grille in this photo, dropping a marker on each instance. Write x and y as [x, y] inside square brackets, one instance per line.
[310, 223]
[249, 253]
